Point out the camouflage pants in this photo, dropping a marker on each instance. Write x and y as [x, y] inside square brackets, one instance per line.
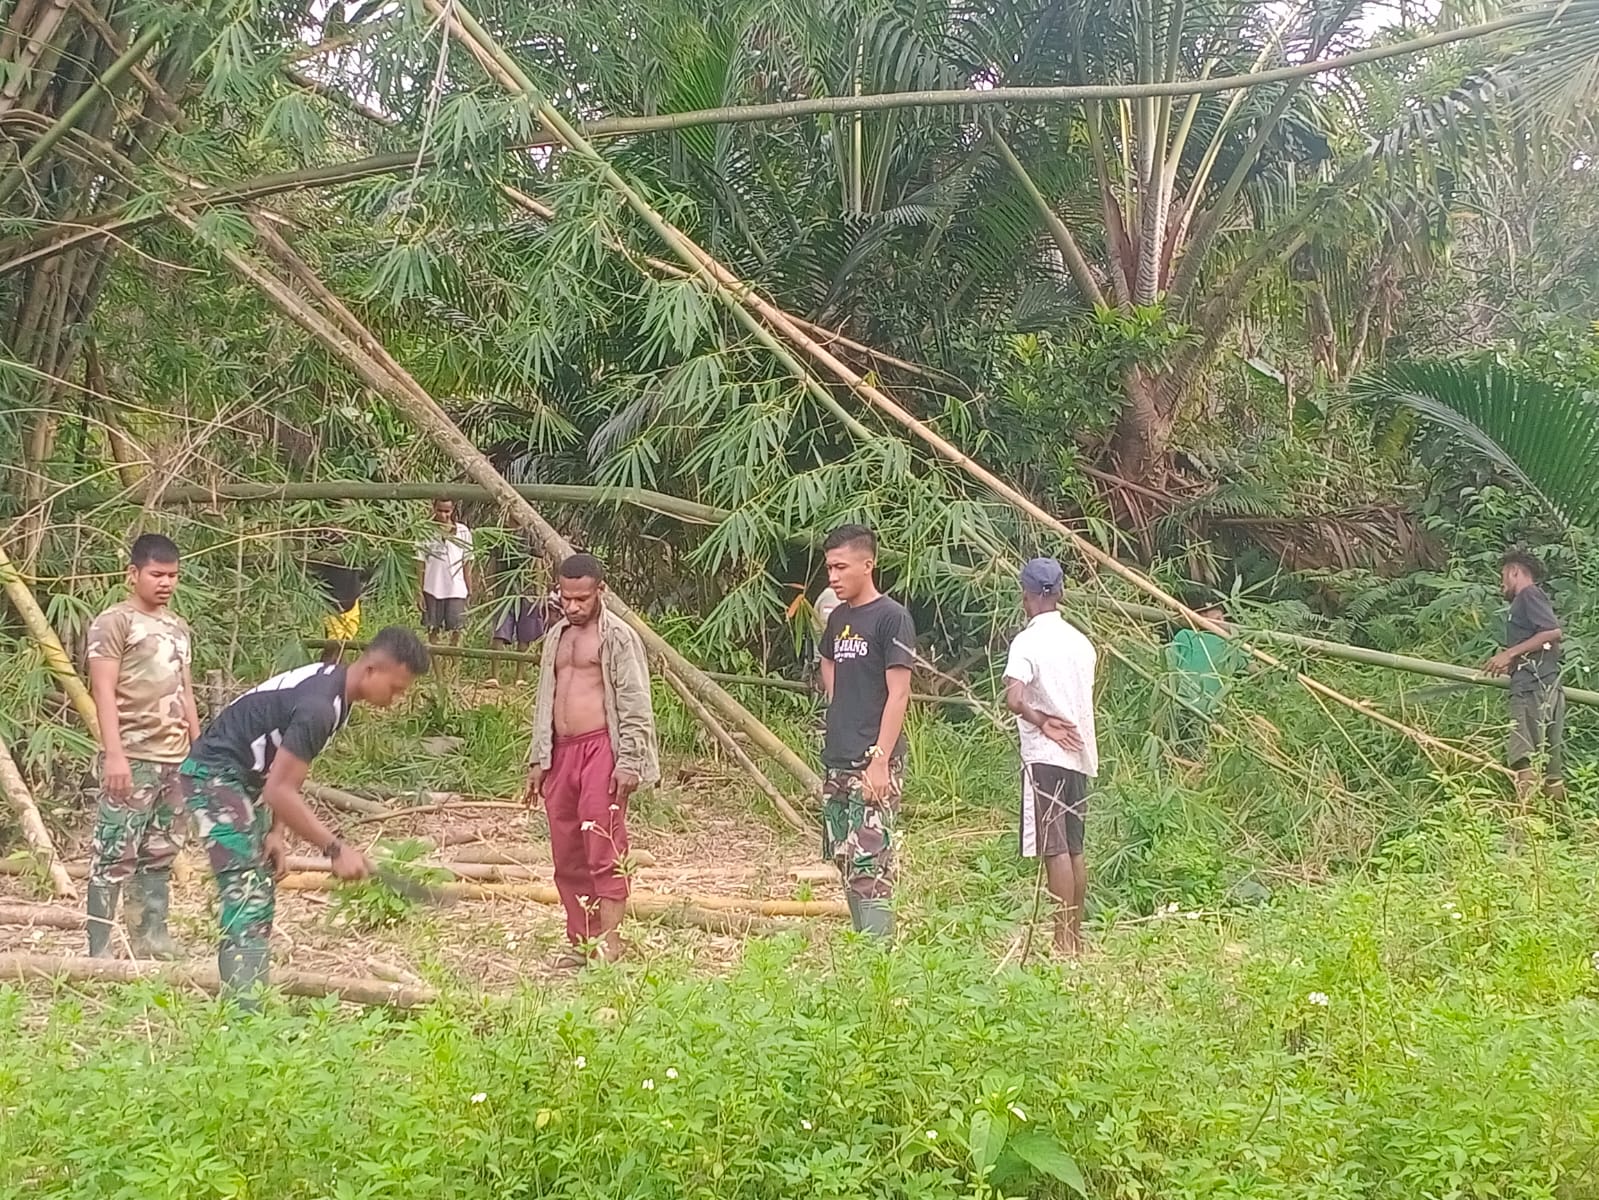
[858, 834]
[142, 834]
[233, 823]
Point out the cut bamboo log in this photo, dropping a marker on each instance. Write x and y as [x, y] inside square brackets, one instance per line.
[736, 752]
[422, 810]
[345, 801]
[33, 828]
[42, 916]
[52, 968]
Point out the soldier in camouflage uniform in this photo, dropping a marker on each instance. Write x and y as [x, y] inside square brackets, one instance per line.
[867, 648]
[242, 783]
[138, 654]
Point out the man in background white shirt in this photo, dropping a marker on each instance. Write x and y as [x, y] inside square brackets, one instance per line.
[1049, 685]
[443, 568]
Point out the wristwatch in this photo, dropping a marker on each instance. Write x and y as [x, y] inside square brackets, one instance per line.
[874, 751]
[332, 849]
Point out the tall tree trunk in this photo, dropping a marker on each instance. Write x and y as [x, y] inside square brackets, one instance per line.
[1144, 428]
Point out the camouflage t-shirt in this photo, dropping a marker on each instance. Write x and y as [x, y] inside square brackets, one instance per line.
[151, 651]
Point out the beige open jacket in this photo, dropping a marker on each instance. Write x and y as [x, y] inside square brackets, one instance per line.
[629, 717]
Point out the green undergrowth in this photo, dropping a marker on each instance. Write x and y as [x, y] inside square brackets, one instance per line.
[1429, 1028]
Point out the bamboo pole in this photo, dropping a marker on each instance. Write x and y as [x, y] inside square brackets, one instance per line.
[505, 70]
[33, 830]
[352, 342]
[728, 744]
[52, 968]
[640, 904]
[342, 489]
[346, 801]
[55, 656]
[42, 916]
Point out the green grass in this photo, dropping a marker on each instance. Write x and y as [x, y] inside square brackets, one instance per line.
[1454, 1056]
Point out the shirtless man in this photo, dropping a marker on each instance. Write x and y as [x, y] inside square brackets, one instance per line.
[593, 746]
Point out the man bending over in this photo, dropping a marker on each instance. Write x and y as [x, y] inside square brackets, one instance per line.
[243, 778]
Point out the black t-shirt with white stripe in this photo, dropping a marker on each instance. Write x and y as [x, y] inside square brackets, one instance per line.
[298, 711]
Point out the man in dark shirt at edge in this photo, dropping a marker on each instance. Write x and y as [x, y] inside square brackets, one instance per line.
[1531, 658]
[867, 649]
[242, 784]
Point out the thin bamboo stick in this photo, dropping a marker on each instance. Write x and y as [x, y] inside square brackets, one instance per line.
[33, 828]
[352, 489]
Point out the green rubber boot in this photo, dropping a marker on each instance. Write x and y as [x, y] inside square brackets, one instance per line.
[876, 917]
[244, 971]
[102, 918]
[149, 928]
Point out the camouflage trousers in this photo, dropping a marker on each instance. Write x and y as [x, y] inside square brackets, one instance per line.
[858, 834]
[142, 834]
[233, 824]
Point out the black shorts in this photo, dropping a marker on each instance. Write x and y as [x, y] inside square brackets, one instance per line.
[443, 613]
[1054, 804]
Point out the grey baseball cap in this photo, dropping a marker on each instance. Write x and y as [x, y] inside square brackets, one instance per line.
[1043, 577]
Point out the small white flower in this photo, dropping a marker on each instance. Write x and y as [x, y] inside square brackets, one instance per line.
[1319, 999]
[615, 808]
[648, 1085]
[932, 1135]
[580, 1062]
[1016, 1111]
[479, 1097]
[586, 826]
[806, 1125]
[1193, 916]
[671, 1072]
[1454, 916]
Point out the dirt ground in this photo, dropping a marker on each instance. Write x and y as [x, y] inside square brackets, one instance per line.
[700, 827]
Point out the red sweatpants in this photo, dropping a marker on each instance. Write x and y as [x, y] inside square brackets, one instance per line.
[588, 829]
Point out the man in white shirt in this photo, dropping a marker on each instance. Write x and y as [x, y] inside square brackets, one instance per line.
[443, 569]
[1049, 685]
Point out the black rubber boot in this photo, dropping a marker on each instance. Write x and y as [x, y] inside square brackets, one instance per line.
[876, 917]
[244, 971]
[854, 903]
[149, 928]
[102, 917]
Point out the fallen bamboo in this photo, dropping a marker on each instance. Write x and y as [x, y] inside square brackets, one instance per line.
[340, 489]
[33, 829]
[42, 916]
[640, 904]
[351, 341]
[771, 682]
[1328, 649]
[51, 968]
[731, 746]
[505, 70]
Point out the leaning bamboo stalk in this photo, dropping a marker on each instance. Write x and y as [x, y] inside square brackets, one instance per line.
[55, 656]
[728, 744]
[340, 489]
[508, 73]
[52, 968]
[33, 830]
[353, 342]
[346, 801]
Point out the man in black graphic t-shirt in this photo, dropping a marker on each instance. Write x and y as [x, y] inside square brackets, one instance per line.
[867, 648]
[1531, 658]
[242, 782]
